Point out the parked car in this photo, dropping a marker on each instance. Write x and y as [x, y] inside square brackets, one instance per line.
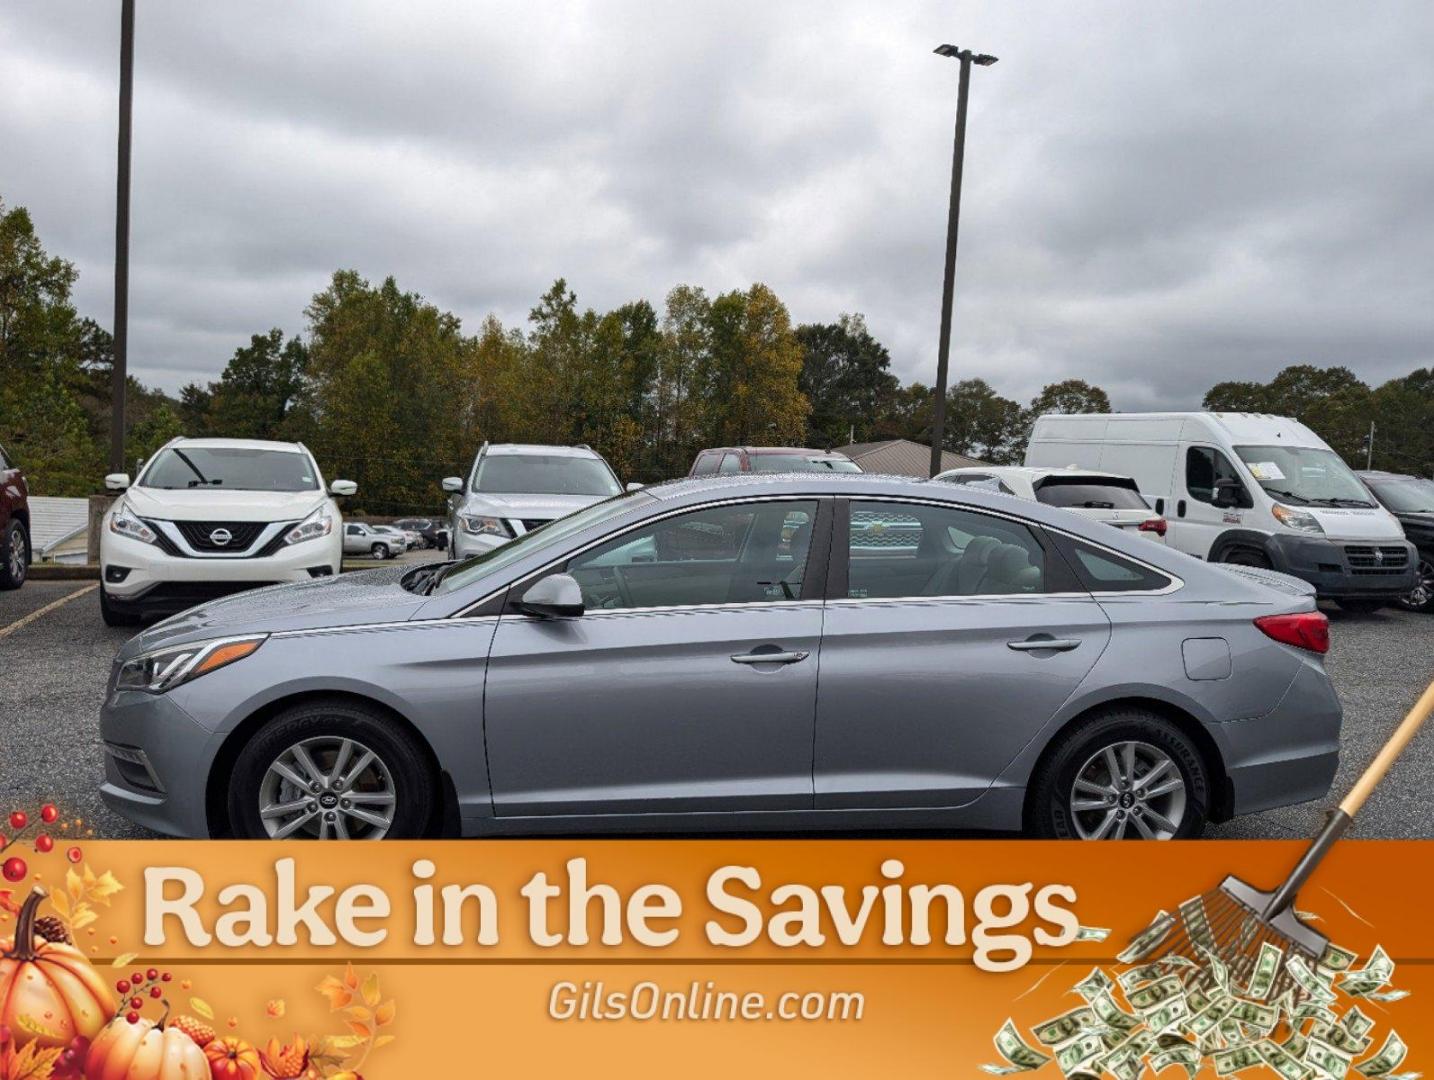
[516, 488]
[1411, 500]
[427, 530]
[15, 547]
[650, 663]
[770, 459]
[1247, 489]
[1115, 500]
[410, 539]
[207, 517]
[361, 538]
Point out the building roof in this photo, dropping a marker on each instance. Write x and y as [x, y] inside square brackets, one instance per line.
[55, 520]
[902, 457]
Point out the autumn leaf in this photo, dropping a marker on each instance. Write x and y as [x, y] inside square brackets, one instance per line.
[123, 959]
[202, 1007]
[74, 885]
[343, 1042]
[371, 994]
[61, 903]
[359, 1013]
[383, 1040]
[384, 1014]
[351, 979]
[363, 1031]
[102, 888]
[338, 994]
[33, 1063]
[276, 1008]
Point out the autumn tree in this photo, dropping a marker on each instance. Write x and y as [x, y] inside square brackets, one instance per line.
[847, 379]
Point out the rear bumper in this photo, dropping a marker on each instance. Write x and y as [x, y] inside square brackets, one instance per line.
[1347, 568]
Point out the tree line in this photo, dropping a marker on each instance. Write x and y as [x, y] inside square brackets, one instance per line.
[392, 392]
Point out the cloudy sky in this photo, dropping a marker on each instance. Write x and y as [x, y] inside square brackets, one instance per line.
[1158, 195]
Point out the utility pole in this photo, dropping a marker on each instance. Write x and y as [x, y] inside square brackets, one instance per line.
[943, 354]
[1369, 449]
[121, 322]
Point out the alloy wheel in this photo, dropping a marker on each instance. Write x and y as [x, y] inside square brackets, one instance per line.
[1128, 790]
[17, 556]
[327, 788]
[1423, 592]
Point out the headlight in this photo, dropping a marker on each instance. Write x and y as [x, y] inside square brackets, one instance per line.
[319, 523]
[1296, 519]
[164, 669]
[480, 526]
[125, 523]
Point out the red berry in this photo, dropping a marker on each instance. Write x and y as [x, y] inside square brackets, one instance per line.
[152, 974]
[136, 1003]
[48, 813]
[15, 868]
[132, 1017]
[122, 986]
[19, 819]
[137, 978]
[74, 854]
[43, 843]
[155, 991]
[165, 977]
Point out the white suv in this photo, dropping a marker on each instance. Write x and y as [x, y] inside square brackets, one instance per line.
[1101, 496]
[207, 517]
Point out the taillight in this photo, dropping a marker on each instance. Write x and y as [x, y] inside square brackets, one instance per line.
[1304, 630]
[1155, 525]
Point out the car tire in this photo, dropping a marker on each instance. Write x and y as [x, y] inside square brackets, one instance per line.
[1422, 598]
[379, 551]
[1362, 606]
[1080, 753]
[112, 616]
[14, 555]
[320, 724]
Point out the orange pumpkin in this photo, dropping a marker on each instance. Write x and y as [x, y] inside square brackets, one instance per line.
[144, 1051]
[231, 1058]
[49, 993]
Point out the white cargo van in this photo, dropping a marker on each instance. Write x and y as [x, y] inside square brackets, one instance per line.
[1249, 489]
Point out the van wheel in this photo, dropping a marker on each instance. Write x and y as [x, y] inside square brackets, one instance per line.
[1422, 598]
[112, 616]
[1126, 774]
[1247, 557]
[14, 555]
[331, 770]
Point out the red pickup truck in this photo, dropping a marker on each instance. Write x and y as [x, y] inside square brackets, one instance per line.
[14, 524]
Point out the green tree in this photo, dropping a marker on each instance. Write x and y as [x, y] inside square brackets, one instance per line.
[847, 379]
[749, 378]
[260, 386]
[1070, 396]
[982, 424]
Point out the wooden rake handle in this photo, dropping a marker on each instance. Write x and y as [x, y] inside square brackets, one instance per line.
[1389, 754]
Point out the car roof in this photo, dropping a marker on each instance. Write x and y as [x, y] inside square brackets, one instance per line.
[238, 444]
[497, 449]
[760, 450]
[1035, 472]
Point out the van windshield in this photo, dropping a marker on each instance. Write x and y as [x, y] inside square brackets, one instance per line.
[1304, 476]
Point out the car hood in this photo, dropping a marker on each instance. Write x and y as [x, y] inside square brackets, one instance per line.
[370, 596]
[215, 504]
[526, 506]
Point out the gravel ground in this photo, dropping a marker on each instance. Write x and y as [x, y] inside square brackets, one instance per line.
[53, 672]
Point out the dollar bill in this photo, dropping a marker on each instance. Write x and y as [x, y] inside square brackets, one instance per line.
[1282, 1061]
[1313, 1010]
[1063, 1028]
[1143, 973]
[1186, 1056]
[1197, 998]
[1375, 974]
[1237, 1059]
[1296, 1043]
[1019, 1056]
[1329, 1060]
[1335, 958]
[1094, 984]
[1092, 933]
[1112, 1015]
[1391, 1055]
[1308, 981]
[1151, 996]
[1267, 966]
[1149, 939]
[1079, 1052]
[1168, 1015]
[1355, 1022]
[1208, 1019]
[1219, 973]
[1387, 995]
[1257, 1015]
[1197, 922]
[1340, 1037]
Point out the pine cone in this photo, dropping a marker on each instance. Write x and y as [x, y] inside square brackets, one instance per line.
[52, 929]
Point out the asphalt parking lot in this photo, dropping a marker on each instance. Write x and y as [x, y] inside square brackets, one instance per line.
[54, 664]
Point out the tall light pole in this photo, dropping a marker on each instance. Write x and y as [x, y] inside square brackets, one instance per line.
[121, 323]
[943, 354]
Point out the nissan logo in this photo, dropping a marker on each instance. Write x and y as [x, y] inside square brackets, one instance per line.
[220, 537]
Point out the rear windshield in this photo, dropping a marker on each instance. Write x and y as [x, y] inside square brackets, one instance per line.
[232, 469]
[1090, 493]
[778, 463]
[544, 474]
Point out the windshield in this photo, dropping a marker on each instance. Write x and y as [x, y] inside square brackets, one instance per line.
[470, 570]
[233, 469]
[544, 474]
[1413, 495]
[778, 463]
[1304, 475]
[1090, 493]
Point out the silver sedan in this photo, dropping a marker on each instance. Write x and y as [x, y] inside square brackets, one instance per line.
[753, 653]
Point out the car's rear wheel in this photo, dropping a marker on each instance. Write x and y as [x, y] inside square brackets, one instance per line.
[1127, 774]
[14, 556]
[1422, 596]
[112, 615]
[379, 551]
[332, 770]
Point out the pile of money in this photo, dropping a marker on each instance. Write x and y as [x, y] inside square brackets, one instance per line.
[1301, 1019]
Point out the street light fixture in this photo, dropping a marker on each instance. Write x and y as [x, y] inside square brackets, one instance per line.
[943, 354]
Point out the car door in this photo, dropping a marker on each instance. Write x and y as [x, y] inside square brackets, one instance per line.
[688, 684]
[355, 539]
[951, 636]
[1215, 499]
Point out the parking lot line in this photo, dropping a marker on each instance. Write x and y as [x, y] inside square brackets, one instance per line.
[26, 620]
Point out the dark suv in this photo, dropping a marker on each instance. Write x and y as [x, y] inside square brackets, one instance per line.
[1411, 500]
[770, 459]
[14, 524]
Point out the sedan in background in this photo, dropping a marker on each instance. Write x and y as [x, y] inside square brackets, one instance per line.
[1411, 500]
[1105, 497]
[650, 663]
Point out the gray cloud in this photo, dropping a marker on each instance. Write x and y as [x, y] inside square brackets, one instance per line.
[1158, 196]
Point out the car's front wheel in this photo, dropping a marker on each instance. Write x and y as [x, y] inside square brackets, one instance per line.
[1422, 597]
[1127, 774]
[331, 770]
[379, 551]
[14, 555]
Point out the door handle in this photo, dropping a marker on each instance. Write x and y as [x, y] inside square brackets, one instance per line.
[1039, 644]
[768, 657]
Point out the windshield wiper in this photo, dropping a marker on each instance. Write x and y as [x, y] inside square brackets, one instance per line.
[204, 483]
[1282, 494]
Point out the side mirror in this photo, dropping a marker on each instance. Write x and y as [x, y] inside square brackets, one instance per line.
[557, 596]
[117, 481]
[453, 484]
[1228, 493]
[634, 486]
[343, 487]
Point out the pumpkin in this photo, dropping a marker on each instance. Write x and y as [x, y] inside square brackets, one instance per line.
[232, 1059]
[144, 1050]
[49, 993]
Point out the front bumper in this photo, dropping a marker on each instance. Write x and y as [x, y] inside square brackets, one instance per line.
[466, 545]
[157, 758]
[1350, 569]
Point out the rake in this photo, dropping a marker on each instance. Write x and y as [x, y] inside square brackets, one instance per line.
[1234, 921]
